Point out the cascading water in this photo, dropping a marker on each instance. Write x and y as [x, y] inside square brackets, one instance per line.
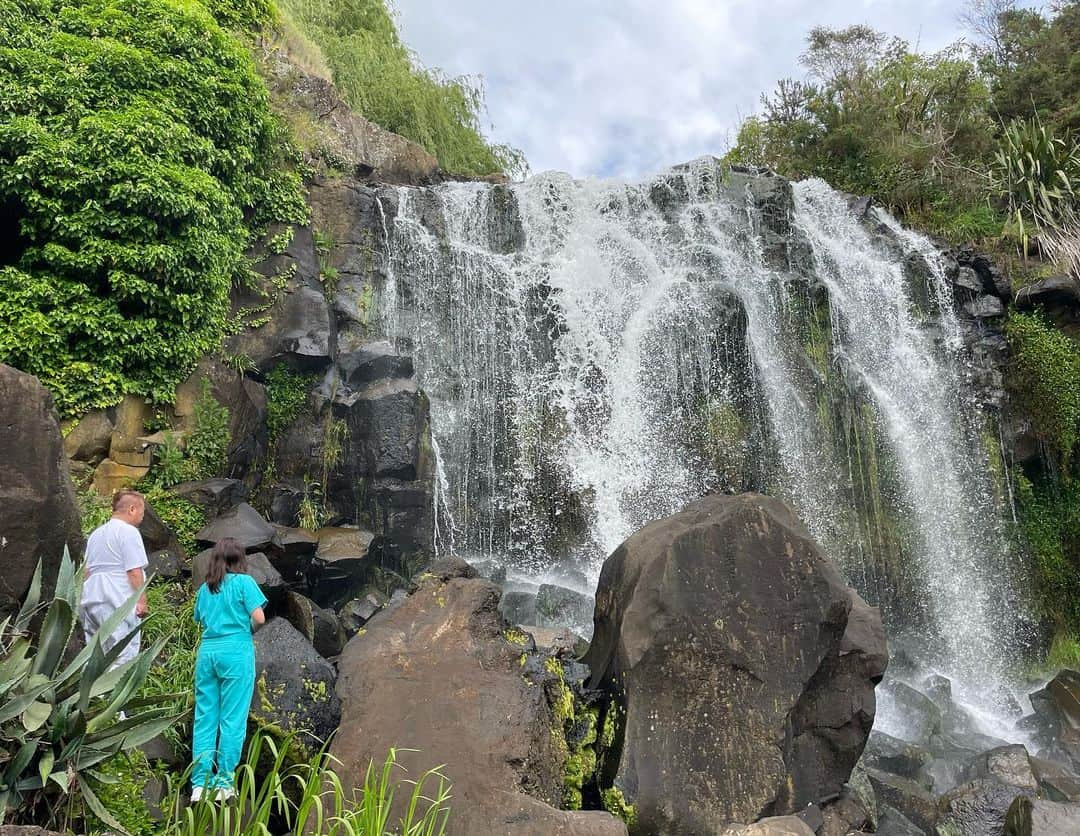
[597, 354]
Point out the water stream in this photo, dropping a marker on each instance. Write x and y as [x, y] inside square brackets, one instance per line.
[599, 353]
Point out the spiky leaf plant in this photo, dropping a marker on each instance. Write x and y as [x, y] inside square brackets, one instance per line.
[1037, 175]
[61, 718]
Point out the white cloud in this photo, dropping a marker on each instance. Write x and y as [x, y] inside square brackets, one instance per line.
[628, 88]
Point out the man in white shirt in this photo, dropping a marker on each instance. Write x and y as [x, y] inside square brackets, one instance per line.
[115, 568]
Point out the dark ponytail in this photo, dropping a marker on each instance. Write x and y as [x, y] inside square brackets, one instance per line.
[227, 556]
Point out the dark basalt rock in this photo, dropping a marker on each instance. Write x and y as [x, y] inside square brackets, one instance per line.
[294, 686]
[319, 626]
[898, 757]
[906, 797]
[518, 606]
[700, 597]
[922, 719]
[38, 512]
[557, 606]
[1056, 782]
[1058, 297]
[242, 523]
[977, 808]
[372, 362]
[1009, 765]
[158, 537]
[893, 823]
[214, 496]
[89, 440]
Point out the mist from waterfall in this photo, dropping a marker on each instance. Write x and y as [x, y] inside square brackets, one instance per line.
[598, 353]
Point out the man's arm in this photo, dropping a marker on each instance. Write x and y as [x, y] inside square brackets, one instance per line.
[137, 577]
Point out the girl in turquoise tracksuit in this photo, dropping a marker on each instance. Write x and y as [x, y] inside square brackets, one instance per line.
[227, 607]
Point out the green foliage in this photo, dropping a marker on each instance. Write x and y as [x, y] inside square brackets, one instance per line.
[956, 141]
[615, 803]
[170, 464]
[308, 797]
[286, 394]
[379, 79]
[138, 155]
[172, 676]
[242, 14]
[1044, 377]
[1064, 653]
[183, 518]
[1049, 514]
[94, 510]
[208, 441]
[59, 719]
[119, 787]
[312, 513]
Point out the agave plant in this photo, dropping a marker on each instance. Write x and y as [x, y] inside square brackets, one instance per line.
[60, 718]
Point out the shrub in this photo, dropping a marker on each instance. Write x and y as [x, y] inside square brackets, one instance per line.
[59, 719]
[138, 155]
[378, 78]
[1049, 515]
[1044, 377]
[206, 446]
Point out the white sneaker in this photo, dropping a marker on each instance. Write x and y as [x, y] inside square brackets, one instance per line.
[225, 794]
[196, 795]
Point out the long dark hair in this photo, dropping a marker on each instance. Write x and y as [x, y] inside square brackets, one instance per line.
[227, 556]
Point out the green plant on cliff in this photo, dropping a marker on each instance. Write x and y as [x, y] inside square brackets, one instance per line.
[382, 80]
[1044, 378]
[1049, 513]
[208, 441]
[60, 719]
[138, 159]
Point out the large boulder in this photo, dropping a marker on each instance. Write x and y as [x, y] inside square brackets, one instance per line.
[1057, 717]
[38, 513]
[294, 687]
[729, 639]
[439, 674]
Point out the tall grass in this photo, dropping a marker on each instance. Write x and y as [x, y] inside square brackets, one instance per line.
[309, 798]
[383, 81]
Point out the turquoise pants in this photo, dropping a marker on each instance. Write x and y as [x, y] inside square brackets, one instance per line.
[224, 683]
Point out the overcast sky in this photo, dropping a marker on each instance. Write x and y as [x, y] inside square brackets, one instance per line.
[598, 87]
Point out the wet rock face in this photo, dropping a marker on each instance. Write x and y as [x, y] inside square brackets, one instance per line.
[437, 673]
[38, 514]
[688, 612]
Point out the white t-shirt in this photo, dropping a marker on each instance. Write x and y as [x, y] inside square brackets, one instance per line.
[112, 550]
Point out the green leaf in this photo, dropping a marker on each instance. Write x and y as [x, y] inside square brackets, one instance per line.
[95, 805]
[45, 765]
[35, 715]
[62, 780]
[54, 637]
[30, 603]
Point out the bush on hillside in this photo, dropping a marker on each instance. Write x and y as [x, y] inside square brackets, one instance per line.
[137, 155]
[382, 81]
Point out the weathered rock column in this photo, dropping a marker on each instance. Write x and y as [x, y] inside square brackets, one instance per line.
[38, 514]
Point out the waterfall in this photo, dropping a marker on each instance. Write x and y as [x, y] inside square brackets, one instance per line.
[599, 353]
